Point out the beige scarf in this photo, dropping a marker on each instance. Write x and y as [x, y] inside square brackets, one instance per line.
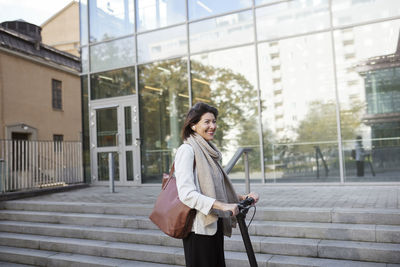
[213, 180]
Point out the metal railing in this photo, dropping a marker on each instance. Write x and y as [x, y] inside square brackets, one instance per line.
[241, 151]
[26, 165]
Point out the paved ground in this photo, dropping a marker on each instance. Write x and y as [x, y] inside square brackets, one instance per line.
[347, 196]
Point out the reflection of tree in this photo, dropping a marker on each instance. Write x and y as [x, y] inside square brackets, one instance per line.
[320, 122]
[113, 54]
[235, 98]
[164, 102]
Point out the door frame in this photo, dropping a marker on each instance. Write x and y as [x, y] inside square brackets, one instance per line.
[121, 148]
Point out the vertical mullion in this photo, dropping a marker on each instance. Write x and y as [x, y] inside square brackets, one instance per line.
[338, 121]
[260, 126]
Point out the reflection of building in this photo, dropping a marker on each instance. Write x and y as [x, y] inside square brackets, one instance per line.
[382, 90]
[61, 31]
[294, 84]
[39, 87]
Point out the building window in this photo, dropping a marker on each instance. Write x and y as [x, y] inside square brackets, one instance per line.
[58, 139]
[56, 94]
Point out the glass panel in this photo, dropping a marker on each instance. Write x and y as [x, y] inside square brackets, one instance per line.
[368, 71]
[291, 18]
[221, 32]
[205, 8]
[85, 59]
[85, 129]
[226, 79]
[155, 13]
[110, 19]
[112, 83]
[112, 55]
[84, 28]
[129, 166]
[299, 109]
[260, 2]
[103, 168]
[128, 126]
[106, 127]
[163, 103]
[347, 12]
[162, 44]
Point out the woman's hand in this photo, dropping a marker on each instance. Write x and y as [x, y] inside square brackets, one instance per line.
[233, 208]
[253, 195]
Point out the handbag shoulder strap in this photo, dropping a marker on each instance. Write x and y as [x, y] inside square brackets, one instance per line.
[171, 172]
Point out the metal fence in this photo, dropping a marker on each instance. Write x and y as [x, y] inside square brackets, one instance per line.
[26, 165]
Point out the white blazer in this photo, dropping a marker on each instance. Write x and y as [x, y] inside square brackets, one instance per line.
[189, 190]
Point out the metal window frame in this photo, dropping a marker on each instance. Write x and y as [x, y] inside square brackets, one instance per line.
[331, 29]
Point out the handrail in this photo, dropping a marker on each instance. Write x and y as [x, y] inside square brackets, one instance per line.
[233, 161]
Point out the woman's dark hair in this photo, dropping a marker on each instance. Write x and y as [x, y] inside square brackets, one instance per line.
[194, 115]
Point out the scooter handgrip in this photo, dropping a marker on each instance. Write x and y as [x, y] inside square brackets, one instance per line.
[247, 202]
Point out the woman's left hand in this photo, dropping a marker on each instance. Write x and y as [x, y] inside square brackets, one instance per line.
[253, 195]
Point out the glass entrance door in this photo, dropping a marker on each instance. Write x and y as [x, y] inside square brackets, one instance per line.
[114, 129]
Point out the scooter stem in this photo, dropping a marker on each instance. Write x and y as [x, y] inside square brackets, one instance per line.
[246, 239]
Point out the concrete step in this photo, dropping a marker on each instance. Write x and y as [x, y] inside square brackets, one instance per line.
[334, 215]
[274, 245]
[14, 256]
[10, 264]
[78, 207]
[50, 258]
[335, 231]
[112, 234]
[343, 250]
[117, 250]
[141, 222]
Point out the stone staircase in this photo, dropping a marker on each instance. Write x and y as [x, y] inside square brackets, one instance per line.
[44, 233]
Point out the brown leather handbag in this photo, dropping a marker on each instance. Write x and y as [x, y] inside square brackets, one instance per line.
[172, 216]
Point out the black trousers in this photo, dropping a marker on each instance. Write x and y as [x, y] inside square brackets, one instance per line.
[205, 250]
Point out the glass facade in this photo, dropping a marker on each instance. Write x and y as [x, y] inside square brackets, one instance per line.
[313, 87]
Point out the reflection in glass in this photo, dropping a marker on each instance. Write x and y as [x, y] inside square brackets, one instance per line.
[110, 19]
[226, 79]
[290, 18]
[223, 31]
[368, 67]
[347, 12]
[164, 101]
[112, 55]
[112, 83]
[206, 8]
[304, 163]
[155, 13]
[129, 166]
[103, 166]
[83, 19]
[162, 44]
[106, 127]
[299, 106]
[85, 59]
[260, 2]
[128, 126]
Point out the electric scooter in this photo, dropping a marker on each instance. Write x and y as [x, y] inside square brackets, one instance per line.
[244, 207]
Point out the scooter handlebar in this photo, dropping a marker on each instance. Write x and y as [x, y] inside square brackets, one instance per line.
[244, 204]
[248, 201]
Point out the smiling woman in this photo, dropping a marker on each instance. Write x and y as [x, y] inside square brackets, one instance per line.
[206, 126]
[203, 185]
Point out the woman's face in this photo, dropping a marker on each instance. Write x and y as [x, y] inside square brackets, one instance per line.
[206, 127]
